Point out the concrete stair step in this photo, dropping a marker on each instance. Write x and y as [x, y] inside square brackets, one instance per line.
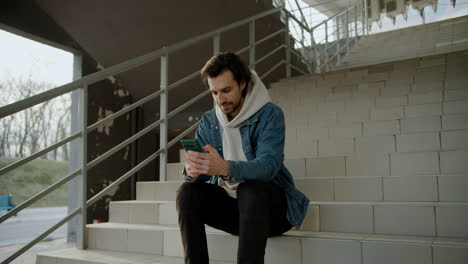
[370, 217]
[428, 188]
[99, 256]
[123, 243]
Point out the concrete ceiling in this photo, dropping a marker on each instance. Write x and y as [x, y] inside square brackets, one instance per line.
[330, 7]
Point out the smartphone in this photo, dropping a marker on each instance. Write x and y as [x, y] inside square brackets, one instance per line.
[191, 144]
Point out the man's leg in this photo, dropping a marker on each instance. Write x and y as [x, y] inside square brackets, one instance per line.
[199, 204]
[262, 214]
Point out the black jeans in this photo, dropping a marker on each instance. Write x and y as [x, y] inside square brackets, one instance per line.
[258, 212]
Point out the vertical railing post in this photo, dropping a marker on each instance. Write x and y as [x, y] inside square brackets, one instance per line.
[74, 152]
[164, 124]
[252, 45]
[364, 18]
[355, 27]
[326, 47]
[338, 55]
[313, 54]
[347, 31]
[288, 46]
[217, 43]
[82, 197]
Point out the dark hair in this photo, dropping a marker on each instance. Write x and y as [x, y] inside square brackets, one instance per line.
[226, 61]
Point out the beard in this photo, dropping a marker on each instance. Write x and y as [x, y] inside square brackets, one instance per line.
[234, 106]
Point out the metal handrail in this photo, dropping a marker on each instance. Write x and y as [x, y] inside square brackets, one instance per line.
[38, 196]
[135, 169]
[83, 84]
[36, 155]
[42, 236]
[348, 36]
[334, 16]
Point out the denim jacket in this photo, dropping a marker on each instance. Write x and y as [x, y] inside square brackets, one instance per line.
[263, 144]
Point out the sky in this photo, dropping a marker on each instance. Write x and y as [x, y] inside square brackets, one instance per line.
[21, 56]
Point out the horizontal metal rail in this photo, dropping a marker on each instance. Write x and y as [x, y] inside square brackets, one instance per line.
[188, 103]
[334, 16]
[123, 111]
[299, 22]
[297, 69]
[260, 41]
[183, 134]
[298, 55]
[138, 167]
[36, 155]
[244, 49]
[38, 196]
[123, 144]
[270, 53]
[41, 236]
[143, 132]
[336, 53]
[142, 101]
[273, 68]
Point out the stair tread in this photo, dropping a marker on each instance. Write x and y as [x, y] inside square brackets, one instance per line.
[306, 234]
[99, 256]
[382, 203]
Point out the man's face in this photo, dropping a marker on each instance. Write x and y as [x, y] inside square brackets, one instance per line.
[227, 93]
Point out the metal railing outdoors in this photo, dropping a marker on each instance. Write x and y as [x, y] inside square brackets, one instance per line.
[329, 39]
[336, 35]
[163, 54]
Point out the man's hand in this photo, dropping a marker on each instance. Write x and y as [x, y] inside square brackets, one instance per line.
[197, 163]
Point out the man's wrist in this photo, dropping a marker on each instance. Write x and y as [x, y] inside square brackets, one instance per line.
[225, 173]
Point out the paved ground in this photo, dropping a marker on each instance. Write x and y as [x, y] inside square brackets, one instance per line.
[30, 223]
[29, 257]
[17, 231]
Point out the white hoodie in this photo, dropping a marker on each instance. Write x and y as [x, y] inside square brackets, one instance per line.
[257, 96]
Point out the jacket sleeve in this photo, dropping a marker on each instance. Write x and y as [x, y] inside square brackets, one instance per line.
[202, 135]
[269, 153]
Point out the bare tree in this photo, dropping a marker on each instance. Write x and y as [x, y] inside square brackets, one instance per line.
[32, 129]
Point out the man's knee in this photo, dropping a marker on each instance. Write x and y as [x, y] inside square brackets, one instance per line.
[254, 198]
[254, 189]
[187, 196]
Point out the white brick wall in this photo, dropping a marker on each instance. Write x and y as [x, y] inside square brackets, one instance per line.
[358, 189]
[410, 164]
[387, 113]
[431, 97]
[418, 142]
[405, 220]
[385, 253]
[381, 128]
[410, 188]
[423, 110]
[375, 144]
[420, 124]
[368, 164]
[391, 101]
[455, 107]
[452, 221]
[325, 167]
[336, 147]
[452, 162]
[346, 130]
[454, 140]
[456, 121]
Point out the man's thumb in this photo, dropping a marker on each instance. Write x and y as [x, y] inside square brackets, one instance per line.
[209, 148]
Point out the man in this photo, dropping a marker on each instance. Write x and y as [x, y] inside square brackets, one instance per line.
[240, 184]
